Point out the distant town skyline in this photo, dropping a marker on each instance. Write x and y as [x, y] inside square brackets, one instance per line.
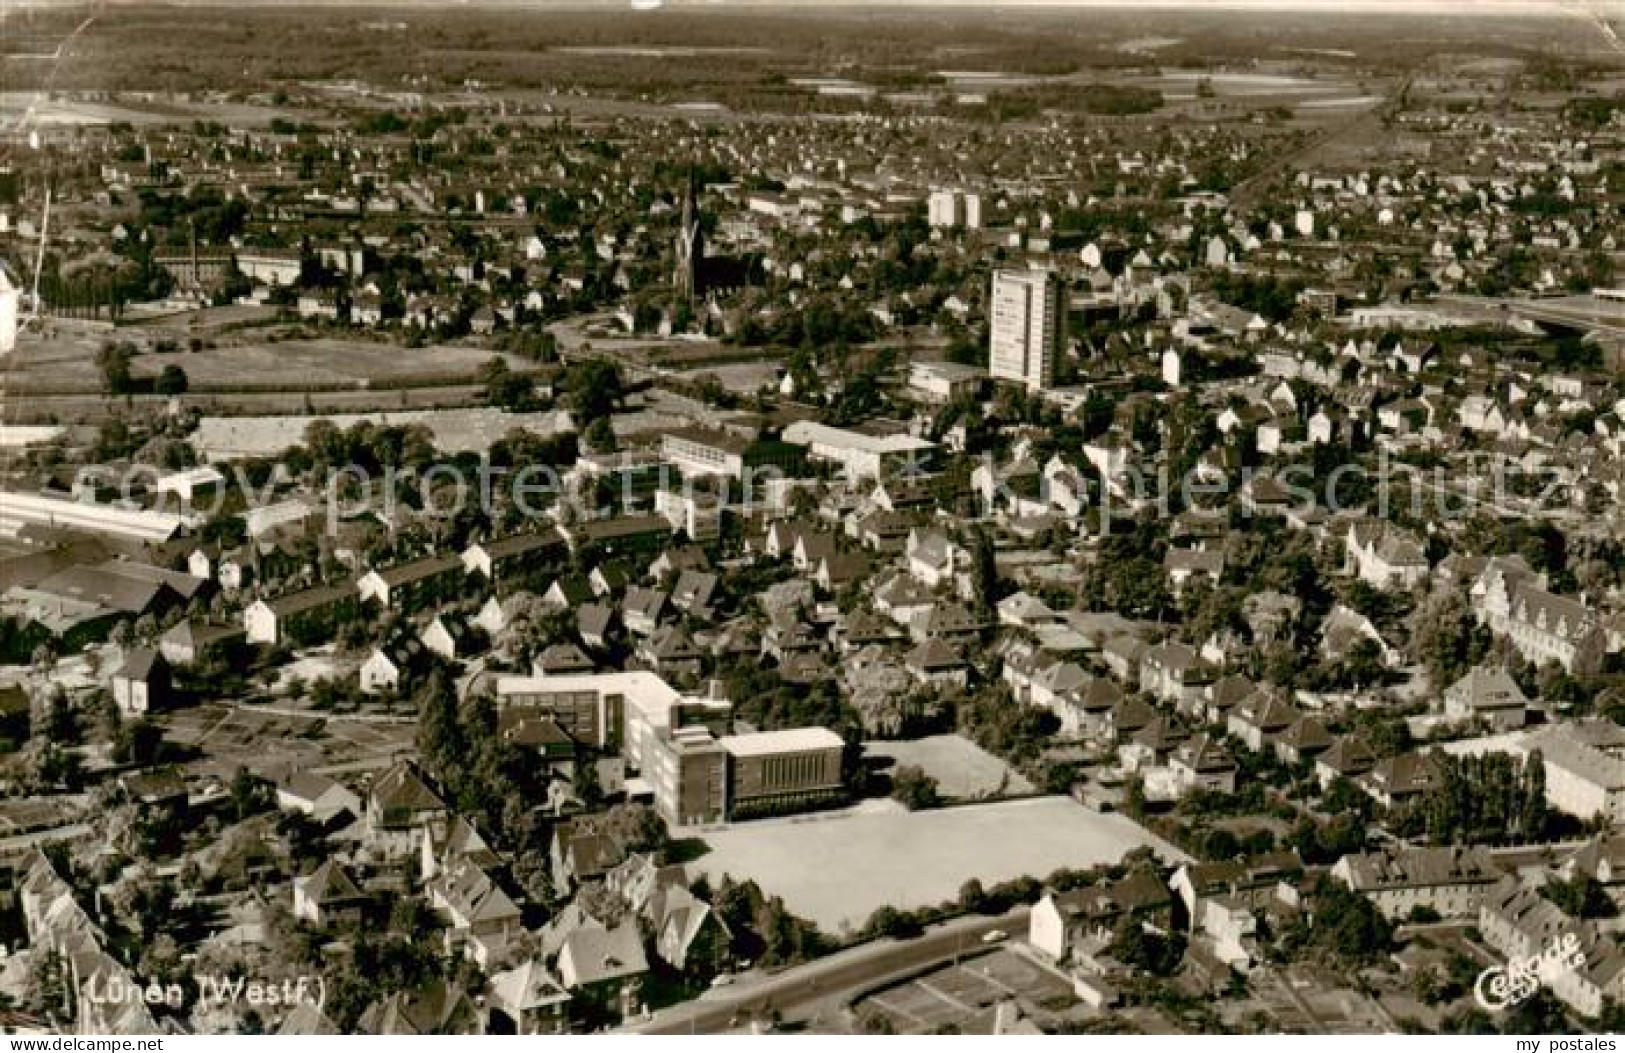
[1581, 8]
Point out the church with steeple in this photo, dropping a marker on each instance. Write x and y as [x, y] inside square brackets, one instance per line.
[697, 276]
[690, 246]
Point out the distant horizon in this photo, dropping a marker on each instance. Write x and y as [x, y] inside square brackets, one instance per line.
[1589, 10]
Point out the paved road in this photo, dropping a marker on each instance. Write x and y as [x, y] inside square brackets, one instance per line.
[21, 842]
[1569, 312]
[795, 990]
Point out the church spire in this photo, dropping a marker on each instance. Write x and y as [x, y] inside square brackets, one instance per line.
[690, 243]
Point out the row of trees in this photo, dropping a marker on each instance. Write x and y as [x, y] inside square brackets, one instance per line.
[1491, 798]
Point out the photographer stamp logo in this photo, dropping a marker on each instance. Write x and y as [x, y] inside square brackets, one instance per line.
[1502, 987]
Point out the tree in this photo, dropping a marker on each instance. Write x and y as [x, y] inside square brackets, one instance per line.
[139, 742]
[637, 827]
[890, 923]
[1448, 639]
[600, 436]
[504, 388]
[440, 736]
[1582, 896]
[984, 570]
[1155, 953]
[250, 794]
[594, 389]
[1349, 926]
[61, 722]
[1134, 797]
[1492, 798]
[586, 785]
[914, 788]
[974, 898]
[109, 720]
[172, 381]
[113, 362]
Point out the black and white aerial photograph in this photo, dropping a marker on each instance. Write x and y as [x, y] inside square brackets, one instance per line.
[766, 518]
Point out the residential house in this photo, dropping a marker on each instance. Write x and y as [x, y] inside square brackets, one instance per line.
[435, 1007]
[1184, 565]
[1203, 764]
[450, 636]
[1585, 779]
[141, 683]
[395, 666]
[1402, 778]
[1399, 879]
[1302, 741]
[605, 964]
[1346, 758]
[517, 556]
[329, 896]
[190, 640]
[400, 809]
[1520, 923]
[1259, 719]
[412, 585]
[1384, 556]
[482, 918]
[301, 618]
[528, 1000]
[317, 796]
[643, 609]
[1487, 696]
[1253, 883]
[939, 663]
[1174, 672]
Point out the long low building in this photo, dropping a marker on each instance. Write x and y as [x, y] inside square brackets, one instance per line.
[21, 509]
[713, 451]
[1450, 881]
[861, 455]
[1585, 774]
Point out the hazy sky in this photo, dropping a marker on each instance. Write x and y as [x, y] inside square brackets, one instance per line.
[1597, 12]
[1610, 9]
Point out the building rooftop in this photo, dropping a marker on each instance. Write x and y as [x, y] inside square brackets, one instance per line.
[806, 433]
[38, 509]
[790, 740]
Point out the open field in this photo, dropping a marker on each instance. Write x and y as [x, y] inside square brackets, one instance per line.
[323, 362]
[38, 109]
[259, 741]
[67, 364]
[469, 430]
[836, 868]
[91, 408]
[56, 380]
[271, 740]
[742, 378]
[963, 770]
